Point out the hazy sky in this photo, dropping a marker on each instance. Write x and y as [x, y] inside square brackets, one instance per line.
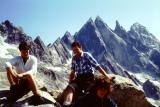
[50, 19]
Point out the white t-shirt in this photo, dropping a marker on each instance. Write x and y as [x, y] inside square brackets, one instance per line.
[17, 63]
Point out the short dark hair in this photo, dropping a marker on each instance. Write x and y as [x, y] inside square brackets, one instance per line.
[24, 45]
[74, 44]
[102, 82]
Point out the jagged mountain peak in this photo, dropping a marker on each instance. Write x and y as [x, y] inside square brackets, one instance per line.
[117, 24]
[98, 18]
[119, 27]
[7, 23]
[137, 27]
[90, 20]
[101, 23]
[142, 34]
[88, 23]
[67, 33]
[8, 27]
[38, 38]
[58, 40]
[89, 36]
[67, 39]
[13, 34]
[39, 41]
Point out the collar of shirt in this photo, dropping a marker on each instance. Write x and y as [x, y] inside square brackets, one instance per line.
[26, 61]
[82, 54]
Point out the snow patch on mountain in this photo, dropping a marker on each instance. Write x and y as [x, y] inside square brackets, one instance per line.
[7, 51]
[142, 76]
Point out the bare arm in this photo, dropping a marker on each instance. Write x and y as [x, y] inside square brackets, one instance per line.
[72, 76]
[12, 71]
[102, 71]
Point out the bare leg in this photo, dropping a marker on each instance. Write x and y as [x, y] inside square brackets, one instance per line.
[11, 75]
[68, 96]
[32, 84]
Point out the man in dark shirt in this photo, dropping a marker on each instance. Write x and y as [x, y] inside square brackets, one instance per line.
[82, 70]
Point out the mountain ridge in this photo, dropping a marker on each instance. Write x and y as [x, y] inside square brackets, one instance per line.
[119, 51]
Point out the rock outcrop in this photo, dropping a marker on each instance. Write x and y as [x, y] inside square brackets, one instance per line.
[127, 94]
[27, 100]
[152, 90]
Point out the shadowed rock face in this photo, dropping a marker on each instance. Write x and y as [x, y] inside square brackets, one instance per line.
[27, 100]
[62, 50]
[67, 39]
[155, 57]
[152, 90]
[42, 52]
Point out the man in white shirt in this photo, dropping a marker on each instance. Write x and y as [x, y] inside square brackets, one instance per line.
[22, 69]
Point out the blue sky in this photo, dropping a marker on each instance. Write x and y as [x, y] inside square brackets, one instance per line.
[50, 19]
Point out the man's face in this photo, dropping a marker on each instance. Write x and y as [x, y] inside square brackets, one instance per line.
[101, 92]
[24, 53]
[76, 50]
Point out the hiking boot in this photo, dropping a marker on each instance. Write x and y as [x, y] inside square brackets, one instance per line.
[66, 105]
[57, 104]
[13, 88]
[37, 100]
[11, 97]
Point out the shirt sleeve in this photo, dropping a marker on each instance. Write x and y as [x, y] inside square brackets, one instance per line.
[11, 62]
[33, 69]
[92, 61]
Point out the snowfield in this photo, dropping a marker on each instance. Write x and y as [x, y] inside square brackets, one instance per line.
[4, 49]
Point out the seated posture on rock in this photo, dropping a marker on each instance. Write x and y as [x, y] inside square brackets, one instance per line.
[98, 96]
[82, 72]
[20, 72]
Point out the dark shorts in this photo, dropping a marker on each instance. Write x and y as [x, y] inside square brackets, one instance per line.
[23, 84]
[21, 87]
[19, 90]
[82, 82]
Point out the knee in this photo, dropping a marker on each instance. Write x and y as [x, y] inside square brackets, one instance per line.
[8, 70]
[28, 76]
[70, 89]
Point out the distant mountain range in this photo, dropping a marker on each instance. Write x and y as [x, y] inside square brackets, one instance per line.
[132, 54]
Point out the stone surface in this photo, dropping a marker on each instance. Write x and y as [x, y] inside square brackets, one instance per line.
[152, 89]
[127, 94]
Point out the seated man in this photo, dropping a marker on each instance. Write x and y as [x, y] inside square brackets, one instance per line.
[20, 73]
[82, 72]
[99, 96]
